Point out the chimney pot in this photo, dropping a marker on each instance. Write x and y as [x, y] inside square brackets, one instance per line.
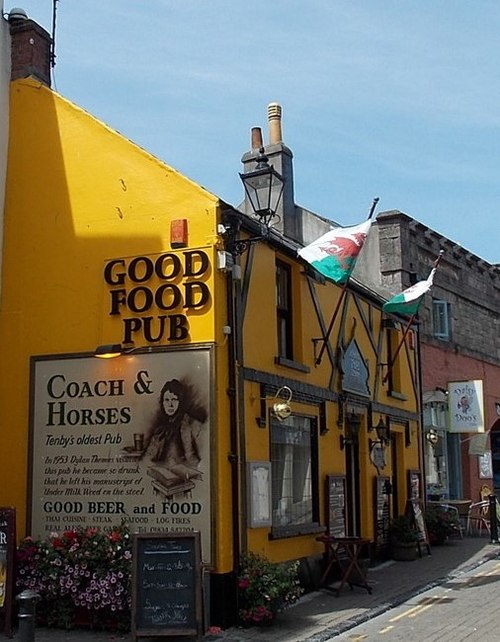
[274, 119]
[257, 138]
[17, 14]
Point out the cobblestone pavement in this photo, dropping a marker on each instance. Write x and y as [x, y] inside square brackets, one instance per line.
[321, 614]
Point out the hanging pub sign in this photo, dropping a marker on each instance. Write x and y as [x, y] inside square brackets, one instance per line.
[153, 296]
[124, 439]
[466, 406]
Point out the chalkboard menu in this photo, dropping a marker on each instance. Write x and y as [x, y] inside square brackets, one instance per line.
[7, 551]
[335, 510]
[382, 514]
[414, 510]
[166, 585]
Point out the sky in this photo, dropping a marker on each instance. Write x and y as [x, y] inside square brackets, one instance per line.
[395, 99]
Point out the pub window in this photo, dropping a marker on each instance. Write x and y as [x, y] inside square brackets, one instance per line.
[441, 320]
[284, 309]
[294, 474]
[393, 360]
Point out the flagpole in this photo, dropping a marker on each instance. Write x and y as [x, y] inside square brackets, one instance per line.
[400, 345]
[408, 326]
[330, 327]
[341, 298]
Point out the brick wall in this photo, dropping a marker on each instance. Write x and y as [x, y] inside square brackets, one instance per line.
[30, 51]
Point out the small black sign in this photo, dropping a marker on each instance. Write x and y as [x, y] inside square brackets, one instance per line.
[335, 494]
[382, 514]
[166, 585]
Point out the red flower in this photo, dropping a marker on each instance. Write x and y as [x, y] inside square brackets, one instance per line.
[243, 583]
[70, 535]
[114, 536]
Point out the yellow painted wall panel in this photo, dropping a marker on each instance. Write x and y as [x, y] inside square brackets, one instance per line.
[77, 195]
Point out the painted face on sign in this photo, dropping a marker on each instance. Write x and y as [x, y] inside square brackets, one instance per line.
[170, 403]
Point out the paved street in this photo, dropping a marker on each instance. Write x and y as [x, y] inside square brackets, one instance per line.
[462, 608]
[463, 574]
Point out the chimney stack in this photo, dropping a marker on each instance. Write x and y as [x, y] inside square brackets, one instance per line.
[281, 158]
[31, 48]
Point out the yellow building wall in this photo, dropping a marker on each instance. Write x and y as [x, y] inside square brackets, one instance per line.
[79, 194]
[358, 319]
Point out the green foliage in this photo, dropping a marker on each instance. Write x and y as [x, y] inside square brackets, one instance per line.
[402, 531]
[265, 588]
[440, 523]
[87, 570]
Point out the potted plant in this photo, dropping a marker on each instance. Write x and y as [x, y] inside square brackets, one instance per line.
[403, 537]
[265, 588]
[440, 523]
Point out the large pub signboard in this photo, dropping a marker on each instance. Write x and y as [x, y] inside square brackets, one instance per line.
[125, 439]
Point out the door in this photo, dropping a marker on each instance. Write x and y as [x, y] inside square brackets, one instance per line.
[352, 488]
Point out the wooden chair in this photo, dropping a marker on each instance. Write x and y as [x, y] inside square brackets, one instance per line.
[478, 518]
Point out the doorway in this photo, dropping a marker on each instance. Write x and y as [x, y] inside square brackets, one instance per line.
[395, 447]
[352, 489]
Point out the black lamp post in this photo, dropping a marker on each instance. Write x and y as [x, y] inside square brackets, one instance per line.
[264, 189]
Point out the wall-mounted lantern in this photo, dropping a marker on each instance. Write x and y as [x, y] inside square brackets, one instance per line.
[282, 409]
[353, 425]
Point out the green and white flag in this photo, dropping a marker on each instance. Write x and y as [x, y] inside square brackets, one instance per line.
[407, 302]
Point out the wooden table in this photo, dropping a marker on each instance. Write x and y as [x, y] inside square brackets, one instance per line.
[344, 552]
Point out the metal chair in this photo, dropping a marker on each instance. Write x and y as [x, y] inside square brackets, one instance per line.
[453, 510]
[478, 518]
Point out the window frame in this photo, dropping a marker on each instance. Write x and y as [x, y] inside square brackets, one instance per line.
[441, 317]
[284, 313]
[313, 525]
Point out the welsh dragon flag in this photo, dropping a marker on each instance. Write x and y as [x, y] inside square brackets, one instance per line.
[408, 301]
[334, 254]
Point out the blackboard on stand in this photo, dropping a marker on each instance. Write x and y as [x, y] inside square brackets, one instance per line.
[166, 585]
[414, 508]
[382, 514]
[335, 505]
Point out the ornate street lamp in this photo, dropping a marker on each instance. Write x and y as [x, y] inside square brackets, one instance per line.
[264, 189]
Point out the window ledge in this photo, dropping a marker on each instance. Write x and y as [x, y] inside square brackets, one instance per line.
[397, 395]
[289, 363]
[283, 532]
